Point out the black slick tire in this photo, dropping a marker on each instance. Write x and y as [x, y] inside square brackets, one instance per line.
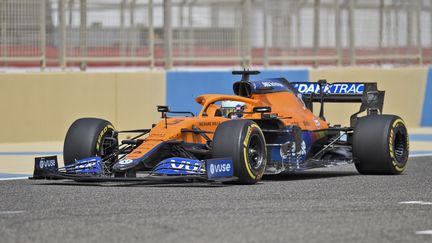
[85, 139]
[243, 141]
[380, 145]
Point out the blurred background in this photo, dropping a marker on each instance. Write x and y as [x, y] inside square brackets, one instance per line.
[61, 60]
[179, 33]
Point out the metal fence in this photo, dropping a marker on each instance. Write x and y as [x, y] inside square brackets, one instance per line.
[148, 33]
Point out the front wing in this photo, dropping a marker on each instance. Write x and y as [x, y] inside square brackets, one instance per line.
[171, 170]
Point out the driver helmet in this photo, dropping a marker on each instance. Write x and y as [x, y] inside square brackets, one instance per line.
[231, 107]
[238, 108]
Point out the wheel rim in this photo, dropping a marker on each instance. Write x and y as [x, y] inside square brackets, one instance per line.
[106, 149]
[107, 145]
[255, 152]
[400, 147]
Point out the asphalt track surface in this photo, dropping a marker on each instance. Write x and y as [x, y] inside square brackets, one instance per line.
[326, 205]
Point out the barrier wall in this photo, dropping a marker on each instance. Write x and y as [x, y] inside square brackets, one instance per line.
[41, 106]
[405, 91]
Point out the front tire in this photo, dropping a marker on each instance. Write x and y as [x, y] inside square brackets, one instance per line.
[243, 141]
[86, 137]
[380, 145]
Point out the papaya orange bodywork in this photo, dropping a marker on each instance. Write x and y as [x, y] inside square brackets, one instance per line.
[286, 106]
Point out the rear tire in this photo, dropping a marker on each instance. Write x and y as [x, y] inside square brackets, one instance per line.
[380, 145]
[243, 141]
[85, 138]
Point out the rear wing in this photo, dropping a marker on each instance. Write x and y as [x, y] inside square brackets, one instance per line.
[371, 99]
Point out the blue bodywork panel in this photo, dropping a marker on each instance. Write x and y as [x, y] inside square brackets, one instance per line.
[213, 168]
[179, 166]
[92, 165]
[270, 85]
[288, 154]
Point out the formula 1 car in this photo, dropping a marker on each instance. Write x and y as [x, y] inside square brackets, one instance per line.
[267, 127]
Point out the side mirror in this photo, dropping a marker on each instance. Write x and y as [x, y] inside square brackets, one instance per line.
[262, 109]
[163, 108]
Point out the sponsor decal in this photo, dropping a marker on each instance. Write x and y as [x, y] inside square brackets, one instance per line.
[271, 84]
[245, 144]
[88, 165]
[186, 165]
[391, 145]
[179, 166]
[347, 88]
[275, 85]
[248, 133]
[47, 163]
[205, 124]
[218, 168]
[85, 166]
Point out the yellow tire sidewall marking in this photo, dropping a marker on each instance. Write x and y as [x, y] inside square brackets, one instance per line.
[245, 145]
[101, 134]
[396, 166]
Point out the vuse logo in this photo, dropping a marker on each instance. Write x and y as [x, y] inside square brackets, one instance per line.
[46, 163]
[219, 168]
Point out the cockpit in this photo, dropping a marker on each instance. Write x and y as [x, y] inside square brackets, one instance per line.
[231, 109]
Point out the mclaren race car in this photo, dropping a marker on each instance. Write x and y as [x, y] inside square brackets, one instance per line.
[266, 127]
